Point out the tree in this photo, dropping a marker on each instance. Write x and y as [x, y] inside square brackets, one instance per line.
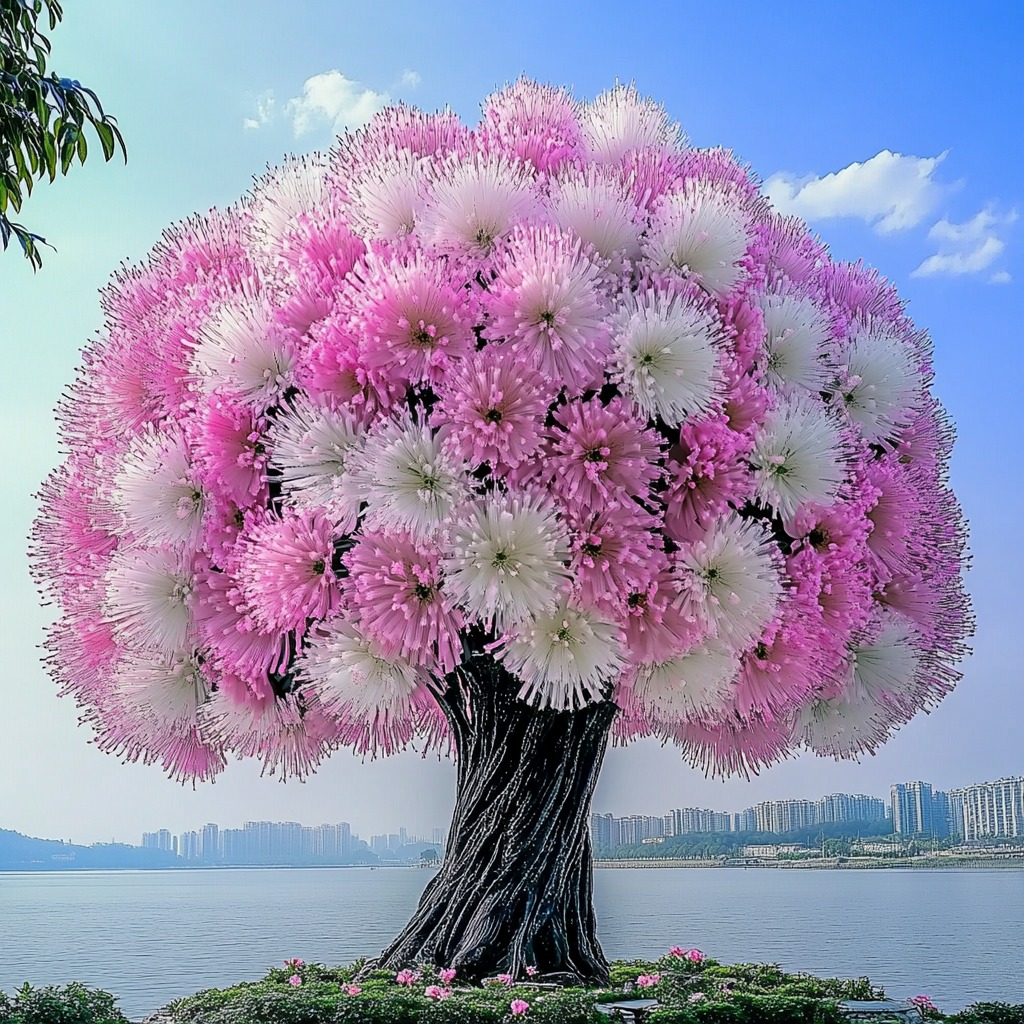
[43, 117]
[509, 440]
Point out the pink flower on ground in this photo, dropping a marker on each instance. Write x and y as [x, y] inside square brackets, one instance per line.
[436, 992]
[531, 971]
[351, 990]
[446, 974]
[407, 977]
[519, 1007]
[648, 980]
[693, 955]
[506, 979]
[295, 980]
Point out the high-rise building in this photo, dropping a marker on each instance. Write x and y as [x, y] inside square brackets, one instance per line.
[604, 831]
[988, 810]
[210, 842]
[785, 815]
[913, 810]
[842, 807]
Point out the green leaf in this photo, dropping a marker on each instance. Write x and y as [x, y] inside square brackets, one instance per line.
[106, 136]
[50, 152]
[83, 147]
[67, 153]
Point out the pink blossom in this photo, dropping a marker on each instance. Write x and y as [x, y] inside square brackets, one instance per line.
[538, 123]
[407, 977]
[506, 979]
[412, 319]
[706, 474]
[695, 956]
[519, 1007]
[436, 992]
[648, 980]
[600, 454]
[295, 962]
[547, 303]
[395, 585]
[295, 979]
[285, 569]
[924, 1002]
[531, 970]
[351, 990]
[446, 974]
[493, 405]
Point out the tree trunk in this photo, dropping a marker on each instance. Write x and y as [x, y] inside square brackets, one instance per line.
[515, 887]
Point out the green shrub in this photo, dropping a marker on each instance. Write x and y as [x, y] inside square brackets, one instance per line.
[60, 1004]
[989, 1013]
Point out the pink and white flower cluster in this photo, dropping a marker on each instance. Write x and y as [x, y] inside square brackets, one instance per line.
[559, 387]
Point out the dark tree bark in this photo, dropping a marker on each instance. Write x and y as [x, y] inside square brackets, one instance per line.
[515, 887]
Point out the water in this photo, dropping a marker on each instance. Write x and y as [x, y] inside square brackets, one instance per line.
[150, 937]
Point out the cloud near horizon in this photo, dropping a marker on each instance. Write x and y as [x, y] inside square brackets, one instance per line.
[891, 191]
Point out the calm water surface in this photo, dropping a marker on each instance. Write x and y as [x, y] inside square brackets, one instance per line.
[151, 937]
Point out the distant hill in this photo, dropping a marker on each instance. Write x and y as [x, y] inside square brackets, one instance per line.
[23, 853]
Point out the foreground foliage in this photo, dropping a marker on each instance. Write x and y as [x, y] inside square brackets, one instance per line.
[690, 988]
[43, 117]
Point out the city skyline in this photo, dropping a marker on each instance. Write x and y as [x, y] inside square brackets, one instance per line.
[980, 810]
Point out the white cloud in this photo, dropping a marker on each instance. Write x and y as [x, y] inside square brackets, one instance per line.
[263, 113]
[1001, 277]
[410, 79]
[968, 248]
[330, 100]
[890, 191]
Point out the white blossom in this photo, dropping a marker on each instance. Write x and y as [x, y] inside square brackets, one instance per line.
[691, 685]
[311, 447]
[243, 350]
[408, 478]
[474, 203]
[156, 492]
[731, 580]
[168, 691]
[149, 595]
[596, 207]
[797, 331]
[565, 657]
[799, 455]
[666, 353]
[354, 676]
[508, 561]
[620, 120]
[880, 383]
[702, 232]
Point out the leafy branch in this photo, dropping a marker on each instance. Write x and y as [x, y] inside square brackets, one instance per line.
[43, 118]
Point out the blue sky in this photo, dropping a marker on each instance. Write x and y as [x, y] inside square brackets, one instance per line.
[809, 94]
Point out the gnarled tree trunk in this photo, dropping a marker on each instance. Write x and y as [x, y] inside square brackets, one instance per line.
[515, 887]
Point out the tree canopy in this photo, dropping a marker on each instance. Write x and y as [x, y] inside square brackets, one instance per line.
[43, 116]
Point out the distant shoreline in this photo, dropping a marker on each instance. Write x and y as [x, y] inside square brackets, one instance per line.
[829, 864]
[1003, 863]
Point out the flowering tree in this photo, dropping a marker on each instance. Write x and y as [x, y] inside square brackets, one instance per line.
[506, 440]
